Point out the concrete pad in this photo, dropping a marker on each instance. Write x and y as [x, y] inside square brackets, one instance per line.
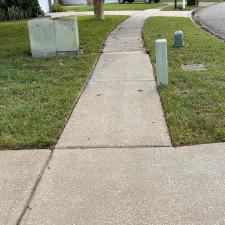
[19, 172]
[117, 113]
[160, 186]
[123, 66]
[124, 45]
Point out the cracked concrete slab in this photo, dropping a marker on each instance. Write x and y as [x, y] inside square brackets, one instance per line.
[133, 186]
[117, 113]
[19, 172]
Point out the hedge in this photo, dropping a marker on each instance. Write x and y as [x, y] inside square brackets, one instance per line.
[19, 9]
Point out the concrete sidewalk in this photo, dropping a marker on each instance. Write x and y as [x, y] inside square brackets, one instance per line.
[114, 163]
[120, 106]
[147, 12]
[20, 172]
[105, 169]
[134, 186]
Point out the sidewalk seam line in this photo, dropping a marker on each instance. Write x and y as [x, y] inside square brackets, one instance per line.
[26, 206]
[113, 146]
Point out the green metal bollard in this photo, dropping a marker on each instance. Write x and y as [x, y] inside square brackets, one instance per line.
[161, 62]
[178, 39]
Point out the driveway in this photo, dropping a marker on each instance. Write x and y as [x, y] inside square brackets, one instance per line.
[213, 17]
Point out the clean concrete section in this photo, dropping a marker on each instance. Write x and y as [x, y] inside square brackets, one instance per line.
[120, 105]
[127, 36]
[213, 17]
[139, 67]
[19, 172]
[163, 186]
[117, 113]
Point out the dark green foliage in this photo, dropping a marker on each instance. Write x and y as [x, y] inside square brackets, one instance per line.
[191, 2]
[19, 9]
[56, 7]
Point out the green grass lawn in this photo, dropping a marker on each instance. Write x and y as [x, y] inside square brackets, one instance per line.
[194, 102]
[38, 95]
[109, 7]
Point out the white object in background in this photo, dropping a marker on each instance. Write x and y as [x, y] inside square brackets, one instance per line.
[184, 4]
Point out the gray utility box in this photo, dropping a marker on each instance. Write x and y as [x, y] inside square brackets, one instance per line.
[42, 37]
[67, 38]
[50, 38]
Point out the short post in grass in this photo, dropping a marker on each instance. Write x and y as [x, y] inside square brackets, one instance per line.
[161, 62]
[178, 39]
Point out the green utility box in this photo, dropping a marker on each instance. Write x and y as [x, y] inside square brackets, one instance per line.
[178, 39]
[49, 38]
[42, 37]
[67, 38]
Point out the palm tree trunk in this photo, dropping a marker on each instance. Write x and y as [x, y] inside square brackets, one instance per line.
[99, 9]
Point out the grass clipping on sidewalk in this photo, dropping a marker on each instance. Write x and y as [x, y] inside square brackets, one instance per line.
[194, 101]
[38, 95]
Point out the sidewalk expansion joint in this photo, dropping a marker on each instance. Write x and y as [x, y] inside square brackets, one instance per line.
[113, 146]
[126, 52]
[120, 80]
[26, 207]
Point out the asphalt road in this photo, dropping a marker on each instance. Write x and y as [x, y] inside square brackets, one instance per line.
[213, 17]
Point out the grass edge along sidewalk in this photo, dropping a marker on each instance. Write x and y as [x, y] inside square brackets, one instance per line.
[194, 101]
[38, 95]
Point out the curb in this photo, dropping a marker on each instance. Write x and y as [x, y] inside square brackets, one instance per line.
[201, 24]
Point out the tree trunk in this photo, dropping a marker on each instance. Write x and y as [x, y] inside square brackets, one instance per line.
[99, 9]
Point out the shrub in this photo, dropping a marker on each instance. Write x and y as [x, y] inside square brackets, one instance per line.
[19, 9]
[191, 2]
[56, 7]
